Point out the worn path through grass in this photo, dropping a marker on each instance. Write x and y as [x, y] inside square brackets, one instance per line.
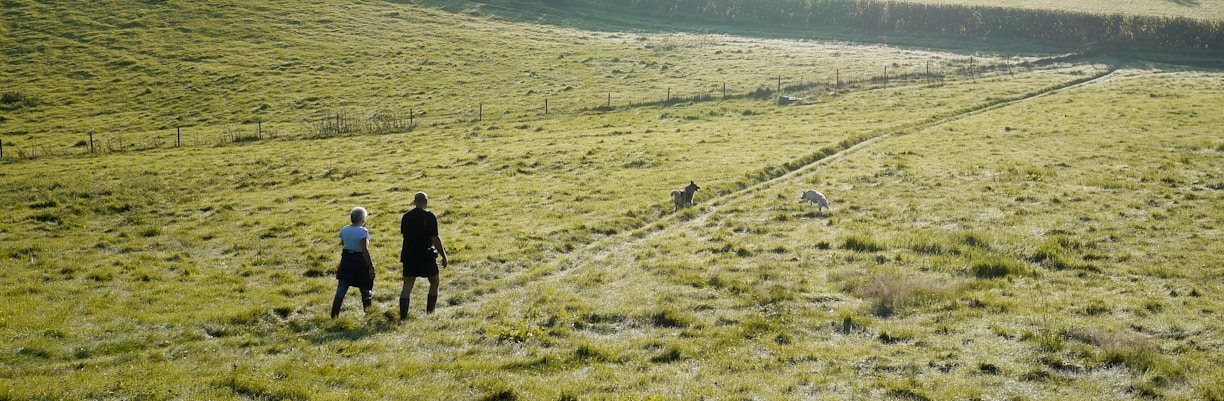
[598, 251]
[771, 298]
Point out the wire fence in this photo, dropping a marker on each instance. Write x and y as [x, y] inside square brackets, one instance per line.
[347, 122]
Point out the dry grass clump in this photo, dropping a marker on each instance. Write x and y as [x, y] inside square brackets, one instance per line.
[891, 292]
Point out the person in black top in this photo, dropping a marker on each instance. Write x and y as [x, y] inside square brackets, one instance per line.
[422, 247]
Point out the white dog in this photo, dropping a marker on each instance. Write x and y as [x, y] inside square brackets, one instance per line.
[816, 197]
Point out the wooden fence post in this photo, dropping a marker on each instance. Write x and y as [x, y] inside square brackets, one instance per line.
[609, 100]
[972, 76]
[838, 78]
[409, 118]
[779, 84]
[258, 129]
[724, 89]
[480, 115]
[545, 105]
[1, 148]
[885, 77]
[178, 136]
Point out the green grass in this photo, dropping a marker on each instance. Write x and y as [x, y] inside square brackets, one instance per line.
[990, 238]
[216, 69]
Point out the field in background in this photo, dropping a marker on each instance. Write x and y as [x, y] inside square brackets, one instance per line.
[1205, 9]
[1046, 232]
[136, 80]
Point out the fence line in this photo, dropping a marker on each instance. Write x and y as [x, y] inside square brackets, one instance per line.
[347, 123]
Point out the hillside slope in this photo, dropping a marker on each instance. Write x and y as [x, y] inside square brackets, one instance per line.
[135, 68]
[1011, 225]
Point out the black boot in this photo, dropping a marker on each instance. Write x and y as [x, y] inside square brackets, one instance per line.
[336, 307]
[404, 309]
[431, 302]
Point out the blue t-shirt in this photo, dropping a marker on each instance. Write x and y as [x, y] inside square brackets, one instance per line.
[352, 236]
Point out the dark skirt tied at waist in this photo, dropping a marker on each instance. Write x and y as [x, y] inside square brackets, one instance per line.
[354, 271]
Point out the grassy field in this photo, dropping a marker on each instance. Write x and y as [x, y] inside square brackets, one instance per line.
[1042, 232]
[217, 68]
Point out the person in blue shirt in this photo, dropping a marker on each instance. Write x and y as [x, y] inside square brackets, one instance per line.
[356, 266]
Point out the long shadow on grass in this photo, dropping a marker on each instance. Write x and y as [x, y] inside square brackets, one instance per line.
[327, 331]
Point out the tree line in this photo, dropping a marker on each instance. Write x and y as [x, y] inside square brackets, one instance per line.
[1113, 31]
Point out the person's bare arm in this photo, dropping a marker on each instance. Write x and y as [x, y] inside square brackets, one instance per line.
[437, 243]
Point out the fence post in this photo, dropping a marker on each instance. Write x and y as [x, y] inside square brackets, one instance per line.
[885, 77]
[609, 100]
[928, 72]
[178, 136]
[1, 148]
[410, 118]
[724, 89]
[91, 146]
[258, 129]
[545, 105]
[480, 114]
[838, 78]
[779, 84]
[972, 76]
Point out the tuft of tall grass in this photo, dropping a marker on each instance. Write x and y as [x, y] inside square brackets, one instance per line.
[1211, 386]
[1060, 252]
[974, 240]
[1134, 351]
[930, 243]
[500, 393]
[931, 246]
[670, 318]
[761, 326]
[668, 355]
[587, 352]
[995, 266]
[862, 243]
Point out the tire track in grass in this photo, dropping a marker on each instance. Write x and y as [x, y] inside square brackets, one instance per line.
[562, 265]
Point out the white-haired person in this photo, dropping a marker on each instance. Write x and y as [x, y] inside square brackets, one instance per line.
[356, 265]
[422, 247]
